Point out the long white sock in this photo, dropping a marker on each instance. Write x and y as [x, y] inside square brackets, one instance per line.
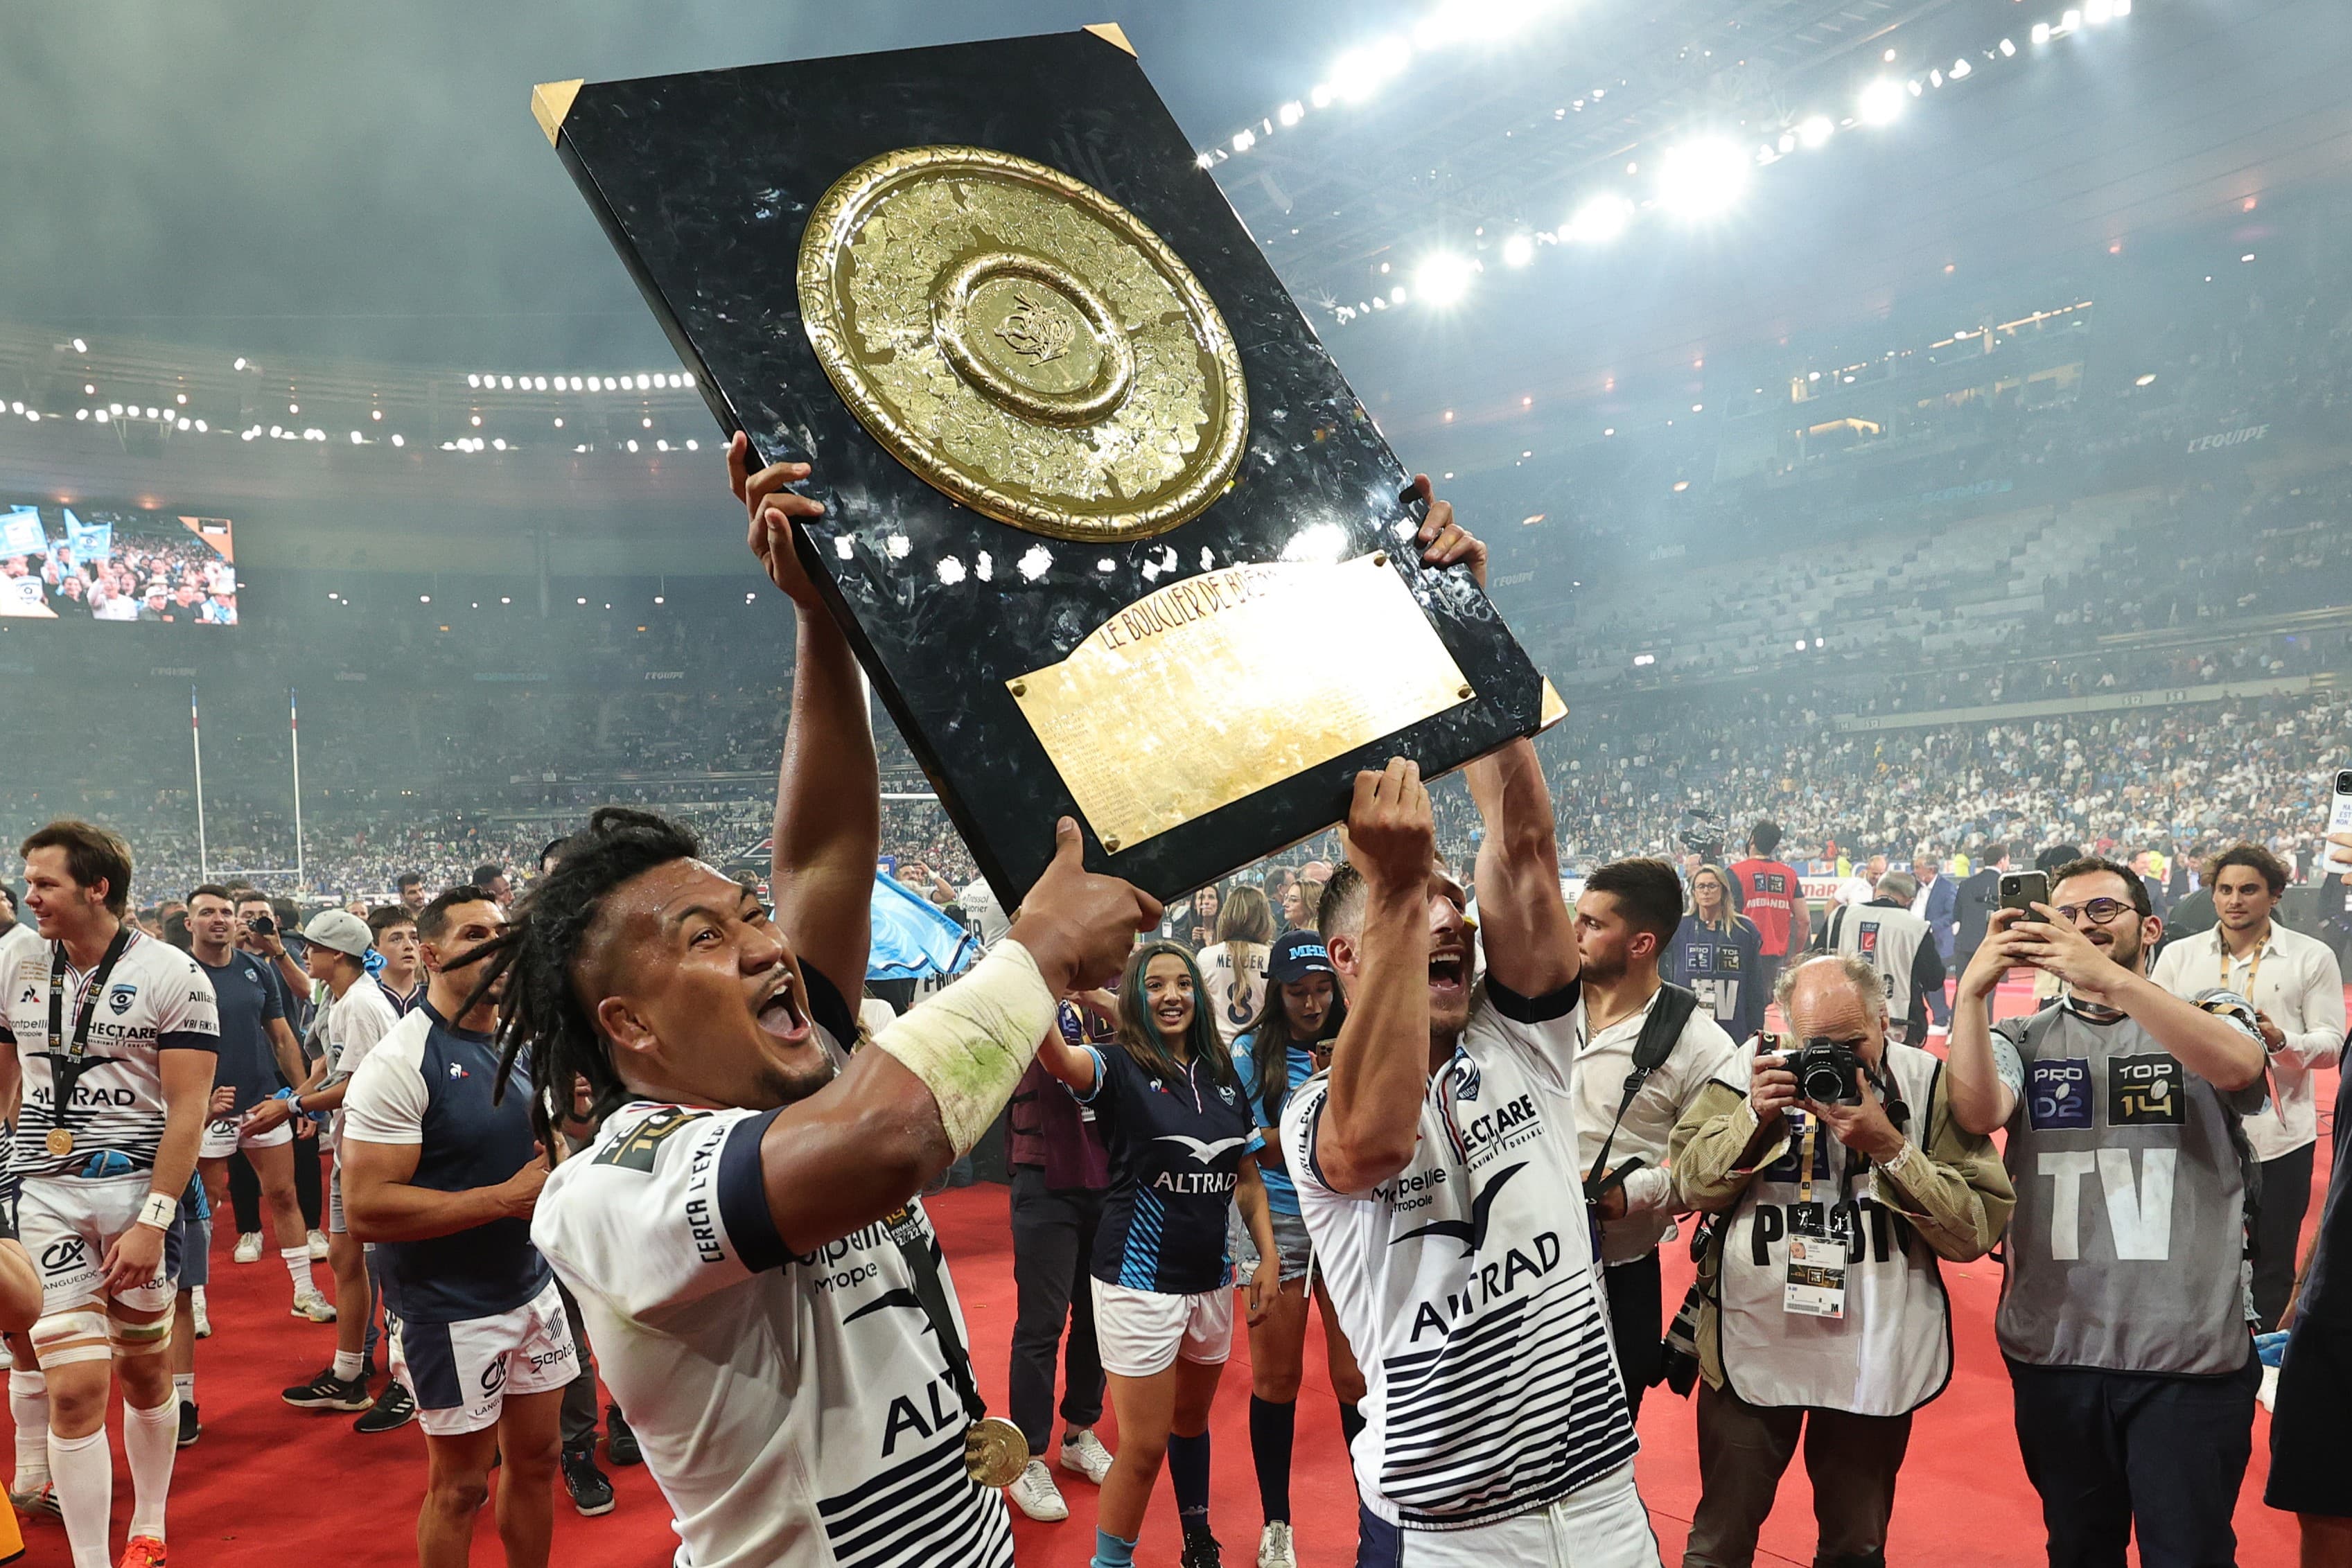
[29, 1407]
[297, 1267]
[83, 1473]
[151, 1438]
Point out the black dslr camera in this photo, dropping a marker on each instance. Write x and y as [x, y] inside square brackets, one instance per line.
[1826, 1072]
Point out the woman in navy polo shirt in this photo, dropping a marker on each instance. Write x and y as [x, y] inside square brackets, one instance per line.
[1184, 1141]
[1289, 1042]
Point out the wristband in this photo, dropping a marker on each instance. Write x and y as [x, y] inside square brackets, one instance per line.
[160, 1209]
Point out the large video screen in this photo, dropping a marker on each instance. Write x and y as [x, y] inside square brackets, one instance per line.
[74, 563]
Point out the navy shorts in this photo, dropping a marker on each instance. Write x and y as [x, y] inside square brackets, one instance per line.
[187, 1246]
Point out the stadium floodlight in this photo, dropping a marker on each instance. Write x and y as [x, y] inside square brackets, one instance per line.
[1322, 95]
[2008, 49]
[1815, 131]
[1881, 102]
[2041, 34]
[1291, 113]
[399, 440]
[2098, 12]
[1600, 219]
[1364, 70]
[1245, 140]
[1961, 68]
[1703, 178]
[80, 347]
[1518, 250]
[1397, 295]
[1444, 278]
[2070, 22]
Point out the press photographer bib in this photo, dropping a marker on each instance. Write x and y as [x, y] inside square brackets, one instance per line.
[1888, 1349]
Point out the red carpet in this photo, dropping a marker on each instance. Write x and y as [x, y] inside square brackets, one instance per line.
[269, 1482]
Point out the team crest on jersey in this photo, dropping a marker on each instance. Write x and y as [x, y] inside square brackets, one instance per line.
[1226, 1092]
[635, 1151]
[253, 976]
[121, 997]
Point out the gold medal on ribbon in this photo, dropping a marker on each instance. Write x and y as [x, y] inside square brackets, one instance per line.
[994, 1451]
[60, 1142]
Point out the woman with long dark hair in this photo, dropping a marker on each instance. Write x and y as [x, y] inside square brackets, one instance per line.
[1289, 1042]
[1183, 1145]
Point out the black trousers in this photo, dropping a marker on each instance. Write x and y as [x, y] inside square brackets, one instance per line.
[2119, 1453]
[1636, 1322]
[1053, 1248]
[1744, 1450]
[2275, 1226]
[244, 1191]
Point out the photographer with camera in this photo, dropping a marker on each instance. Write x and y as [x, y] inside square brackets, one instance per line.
[1841, 1178]
[2125, 1305]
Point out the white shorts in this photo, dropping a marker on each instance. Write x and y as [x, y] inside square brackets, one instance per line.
[225, 1136]
[1141, 1332]
[1600, 1525]
[460, 1373]
[68, 1223]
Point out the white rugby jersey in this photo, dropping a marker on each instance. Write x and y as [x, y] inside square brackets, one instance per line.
[1465, 1283]
[795, 1409]
[156, 999]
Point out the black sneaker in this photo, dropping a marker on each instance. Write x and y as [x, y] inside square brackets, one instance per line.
[328, 1392]
[189, 1427]
[620, 1442]
[1201, 1551]
[592, 1494]
[393, 1408]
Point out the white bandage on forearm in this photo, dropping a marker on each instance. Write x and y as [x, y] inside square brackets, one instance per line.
[971, 1042]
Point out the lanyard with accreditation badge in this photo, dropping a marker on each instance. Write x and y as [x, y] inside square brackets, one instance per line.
[67, 1061]
[1815, 1287]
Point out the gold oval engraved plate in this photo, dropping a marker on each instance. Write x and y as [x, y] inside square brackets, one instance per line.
[1023, 344]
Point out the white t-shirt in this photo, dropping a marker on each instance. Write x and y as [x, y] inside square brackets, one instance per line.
[1465, 1283]
[16, 943]
[355, 1023]
[795, 1409]
[157, 1000]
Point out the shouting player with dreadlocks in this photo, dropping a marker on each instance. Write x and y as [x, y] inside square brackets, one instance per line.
[765, 1296]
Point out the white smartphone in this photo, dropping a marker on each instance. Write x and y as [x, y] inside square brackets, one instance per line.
[2336, 857]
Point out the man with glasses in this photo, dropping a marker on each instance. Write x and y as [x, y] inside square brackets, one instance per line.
[2123, 1311]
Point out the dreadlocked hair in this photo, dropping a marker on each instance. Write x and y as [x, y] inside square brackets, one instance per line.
[541, 1020]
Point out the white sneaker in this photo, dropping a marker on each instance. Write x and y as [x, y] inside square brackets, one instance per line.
[310, 1303]
[1035, 1493]
[1274, 1545]
[318, 1245]
[248, 1248]
[1083, 1453]
[196, 1309]
[7, 1361]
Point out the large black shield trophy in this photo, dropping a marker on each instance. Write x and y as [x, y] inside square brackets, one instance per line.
[1106, 526]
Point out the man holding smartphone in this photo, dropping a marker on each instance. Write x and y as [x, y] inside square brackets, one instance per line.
[2122, 1312]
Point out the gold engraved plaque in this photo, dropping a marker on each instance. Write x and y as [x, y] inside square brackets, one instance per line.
[1023, 344]
[1172, 655]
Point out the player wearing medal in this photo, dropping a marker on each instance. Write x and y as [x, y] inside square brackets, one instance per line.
[114, 1034]
[766, 1297]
